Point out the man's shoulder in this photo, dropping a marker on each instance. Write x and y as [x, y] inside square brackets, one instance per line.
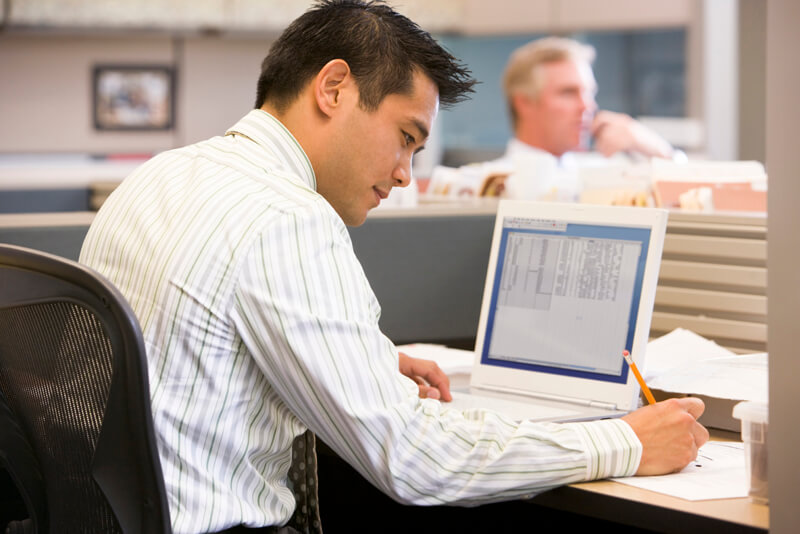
[215, 173]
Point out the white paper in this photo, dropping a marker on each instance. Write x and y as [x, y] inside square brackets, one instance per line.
[718, 473]
[678, 349]
[684, 362]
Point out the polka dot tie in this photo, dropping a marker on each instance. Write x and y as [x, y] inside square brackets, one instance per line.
[303, 478]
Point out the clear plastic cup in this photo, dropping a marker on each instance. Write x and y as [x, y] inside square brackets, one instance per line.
[754, 416]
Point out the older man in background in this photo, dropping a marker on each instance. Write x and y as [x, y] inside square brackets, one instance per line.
[550, 90]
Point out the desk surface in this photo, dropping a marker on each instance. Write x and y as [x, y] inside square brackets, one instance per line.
[641, 508]
[637, 507]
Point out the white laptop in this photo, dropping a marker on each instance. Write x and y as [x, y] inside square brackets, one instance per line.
[569, 287]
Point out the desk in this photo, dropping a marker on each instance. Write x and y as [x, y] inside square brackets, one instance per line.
[625, 509]
[635, 507]
[640, 508]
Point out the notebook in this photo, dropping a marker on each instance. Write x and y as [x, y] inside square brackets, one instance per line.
[568, 288]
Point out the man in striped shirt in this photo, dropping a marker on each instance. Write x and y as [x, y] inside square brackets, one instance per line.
[259, 321]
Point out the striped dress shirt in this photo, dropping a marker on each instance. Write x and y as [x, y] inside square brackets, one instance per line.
[259, 323]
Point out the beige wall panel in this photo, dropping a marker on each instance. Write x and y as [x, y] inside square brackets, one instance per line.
[507, 16]
[45, 92]
[710, 327]
[752, 79]
[718, 247]
[783, 162]
[618, 14]
[218, 84]
[702, 301]
[753, 278]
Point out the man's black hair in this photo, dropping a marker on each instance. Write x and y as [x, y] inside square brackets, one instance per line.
[382, 48]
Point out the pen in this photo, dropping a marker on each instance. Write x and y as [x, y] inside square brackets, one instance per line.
[645, 389]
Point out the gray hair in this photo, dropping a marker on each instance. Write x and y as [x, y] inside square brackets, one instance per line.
[523, 73]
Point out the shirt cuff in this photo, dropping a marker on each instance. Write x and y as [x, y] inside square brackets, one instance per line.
[612, 448]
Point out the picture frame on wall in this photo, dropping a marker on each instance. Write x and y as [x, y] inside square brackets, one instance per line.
[133, 97]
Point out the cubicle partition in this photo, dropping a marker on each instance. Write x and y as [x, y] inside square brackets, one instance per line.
[57, 233]
[713, 279]
[55, 183]
[427, 267]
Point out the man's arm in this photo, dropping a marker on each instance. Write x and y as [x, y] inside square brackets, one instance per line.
[308, 317]
[669, 431]
[618, 132]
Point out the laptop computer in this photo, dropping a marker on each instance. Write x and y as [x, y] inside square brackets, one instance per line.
[568, 288]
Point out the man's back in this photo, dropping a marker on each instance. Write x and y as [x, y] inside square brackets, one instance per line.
[190, 220]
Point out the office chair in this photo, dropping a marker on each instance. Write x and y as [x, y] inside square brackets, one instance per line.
[76, 430]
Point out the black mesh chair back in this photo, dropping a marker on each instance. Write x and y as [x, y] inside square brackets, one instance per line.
[76, 430]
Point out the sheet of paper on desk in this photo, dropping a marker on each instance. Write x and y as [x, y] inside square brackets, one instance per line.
[718, 473]
[451, 361]
[684, 362]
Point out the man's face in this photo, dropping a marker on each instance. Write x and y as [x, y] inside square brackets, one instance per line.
[371, 151]
[563, 110]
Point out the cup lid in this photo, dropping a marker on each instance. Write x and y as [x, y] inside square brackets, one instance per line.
[756, 412]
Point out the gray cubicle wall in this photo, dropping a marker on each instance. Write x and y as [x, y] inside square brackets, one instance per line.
[57, 233]
[428, 268]
[428, 272]
[44, 200]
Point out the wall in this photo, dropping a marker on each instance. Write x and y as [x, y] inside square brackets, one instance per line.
[45, 72]
[783, 293]
[720, 78]
[45, 88]
[752, 79]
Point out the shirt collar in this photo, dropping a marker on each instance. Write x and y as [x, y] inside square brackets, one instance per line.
[271, 135]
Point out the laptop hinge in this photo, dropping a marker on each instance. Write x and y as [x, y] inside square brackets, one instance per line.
[544, 396]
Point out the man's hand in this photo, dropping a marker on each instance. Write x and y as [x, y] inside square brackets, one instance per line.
[433, 383]
[670, 434]
[617, 132]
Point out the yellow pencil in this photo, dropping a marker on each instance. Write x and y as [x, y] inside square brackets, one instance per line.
[645, 389]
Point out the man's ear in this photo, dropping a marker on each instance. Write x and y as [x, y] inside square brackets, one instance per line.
[333, 85]
[522, 104]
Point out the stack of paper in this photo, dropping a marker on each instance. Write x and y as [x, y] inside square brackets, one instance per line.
[684, 362]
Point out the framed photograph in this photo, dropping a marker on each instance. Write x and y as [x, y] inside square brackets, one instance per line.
[133, 97]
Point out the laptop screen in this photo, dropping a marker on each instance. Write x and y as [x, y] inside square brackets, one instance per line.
[565, 297]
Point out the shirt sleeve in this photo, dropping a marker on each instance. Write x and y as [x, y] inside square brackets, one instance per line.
[308, 316]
